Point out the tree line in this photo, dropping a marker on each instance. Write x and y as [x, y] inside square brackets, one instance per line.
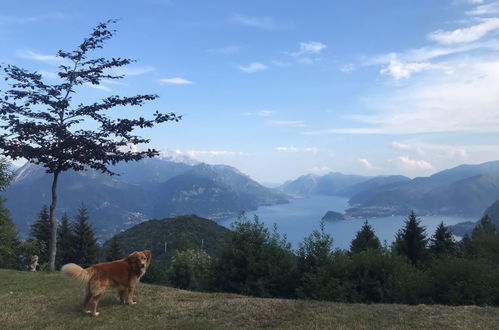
[414, 269]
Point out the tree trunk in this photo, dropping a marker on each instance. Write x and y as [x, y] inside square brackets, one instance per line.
[53, 224]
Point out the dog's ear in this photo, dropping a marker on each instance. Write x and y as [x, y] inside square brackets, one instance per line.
[148, 254]
[134, 260]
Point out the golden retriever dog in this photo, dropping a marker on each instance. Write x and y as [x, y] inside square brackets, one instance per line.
[122, 274]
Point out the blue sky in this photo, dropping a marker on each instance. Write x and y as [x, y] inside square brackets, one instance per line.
[283, 88]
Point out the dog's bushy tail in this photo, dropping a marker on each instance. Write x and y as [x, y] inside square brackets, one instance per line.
[76, 272]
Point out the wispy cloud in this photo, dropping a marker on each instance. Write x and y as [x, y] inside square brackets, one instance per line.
[488, 9]
[211, 153]
[367, 164]
[289, 123]
[260, 22]
[400, 70]
[175, 81]
[253, 67]
[466, 102]
[132, 71]
[8, 19]
[435, 151]
[295, 149]
[347, 67]
[309, 48]
[265, 113]
[465, 35]
[307, 52]
[100, 87]
[50, 59]
[228, 50]
[416, 164]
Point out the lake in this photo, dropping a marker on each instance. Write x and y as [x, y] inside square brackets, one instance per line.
[301, 216]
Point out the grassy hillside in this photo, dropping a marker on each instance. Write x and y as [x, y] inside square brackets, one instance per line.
[43, 301]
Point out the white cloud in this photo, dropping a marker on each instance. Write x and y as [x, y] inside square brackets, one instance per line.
[48, 74]
[320, 169]
[295, 149]
[196, 154]
[347, 67]
[265, 113]
[465, 35]
[31, 55]
[435, 151]
[367, 164]
[488, 9]
[417, 164]
[310, 47]
[290, 123]
[260, 22]
[100, 87]
[175, 81]
[225, 50]
[465, 101]
[399, 70]
[132, 71]
[253, 67]
[476, 1]
[5, 19]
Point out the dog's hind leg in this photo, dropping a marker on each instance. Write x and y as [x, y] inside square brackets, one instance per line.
[95, 302]
[88, 295]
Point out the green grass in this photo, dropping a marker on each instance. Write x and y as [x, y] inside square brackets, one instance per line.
[51, 301]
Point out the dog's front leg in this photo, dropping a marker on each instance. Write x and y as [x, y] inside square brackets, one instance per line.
[131, 290]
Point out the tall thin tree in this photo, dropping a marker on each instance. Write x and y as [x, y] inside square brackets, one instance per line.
[42, 123]
[41, 230]
[365, 239]
[411, 240]
[86, 249]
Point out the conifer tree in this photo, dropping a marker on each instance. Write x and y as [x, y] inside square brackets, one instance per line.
[411, 240]
[114, 251]
[485, 240]
[442, 242]
[8, 235]
[41, 231]
[8, 239]
[365, 240]
[86, 249]
[66, 242]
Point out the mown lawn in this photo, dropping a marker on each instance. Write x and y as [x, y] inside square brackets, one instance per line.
[51, 301]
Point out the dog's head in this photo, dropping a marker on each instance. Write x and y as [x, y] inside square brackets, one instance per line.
[140, 259]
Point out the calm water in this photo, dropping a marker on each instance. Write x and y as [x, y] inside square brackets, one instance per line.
[300, 217]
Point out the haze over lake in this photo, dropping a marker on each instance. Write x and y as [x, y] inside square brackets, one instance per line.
[301, 216]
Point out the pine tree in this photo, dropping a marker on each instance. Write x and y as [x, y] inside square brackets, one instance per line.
[365, 240]
[9, 243]
[114, 251]
[41, 231]
[85, 244]
[66, 242]
[485, 240]
[411, 240]
[8, 239]
[442, 242]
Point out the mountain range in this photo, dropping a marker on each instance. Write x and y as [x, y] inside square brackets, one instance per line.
[465, 190]
[148, 189]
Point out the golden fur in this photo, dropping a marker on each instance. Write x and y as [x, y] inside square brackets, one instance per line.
[122, 274]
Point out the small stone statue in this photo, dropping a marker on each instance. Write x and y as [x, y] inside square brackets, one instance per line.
[34, 263]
